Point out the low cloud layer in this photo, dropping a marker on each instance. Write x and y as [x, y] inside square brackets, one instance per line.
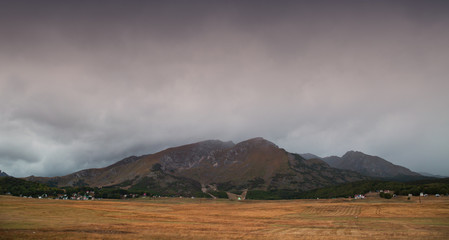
[84, 85]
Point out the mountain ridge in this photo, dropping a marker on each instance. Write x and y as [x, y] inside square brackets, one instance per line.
[372, 166]
[255, 163]
[3, 174]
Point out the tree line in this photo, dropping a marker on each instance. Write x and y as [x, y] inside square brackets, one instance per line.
[20, 187]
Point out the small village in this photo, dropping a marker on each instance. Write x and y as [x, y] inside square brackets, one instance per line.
[90, 195]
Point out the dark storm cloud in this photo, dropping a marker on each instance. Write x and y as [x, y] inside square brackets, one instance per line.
[86, 83]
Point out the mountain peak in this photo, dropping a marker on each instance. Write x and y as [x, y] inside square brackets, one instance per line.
[354, 153]
[257, 141]
[3, 174]
[368, 165]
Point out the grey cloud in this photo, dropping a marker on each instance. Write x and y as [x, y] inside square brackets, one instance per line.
[10, 154]
[91, 83]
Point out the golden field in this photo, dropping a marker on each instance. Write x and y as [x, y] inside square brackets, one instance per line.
[174, 218]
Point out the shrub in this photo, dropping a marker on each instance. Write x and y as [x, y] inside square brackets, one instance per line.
[386, 195]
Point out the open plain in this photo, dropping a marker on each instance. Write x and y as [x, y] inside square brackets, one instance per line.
[175, 218]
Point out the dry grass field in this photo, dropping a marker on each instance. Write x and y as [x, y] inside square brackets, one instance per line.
[223, 219]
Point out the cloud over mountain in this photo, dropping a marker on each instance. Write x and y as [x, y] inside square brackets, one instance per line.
[84, 85]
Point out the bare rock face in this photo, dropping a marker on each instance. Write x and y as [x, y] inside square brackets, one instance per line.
[192, 155]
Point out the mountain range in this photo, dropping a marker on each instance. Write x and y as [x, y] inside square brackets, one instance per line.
[212, 165]
[367, 165]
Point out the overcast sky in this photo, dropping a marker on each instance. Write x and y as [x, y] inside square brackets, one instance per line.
[86, 83]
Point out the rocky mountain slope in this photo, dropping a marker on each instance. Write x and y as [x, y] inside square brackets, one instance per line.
[372, 166]
[3, 174]
[308, 156]
[212, 165]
